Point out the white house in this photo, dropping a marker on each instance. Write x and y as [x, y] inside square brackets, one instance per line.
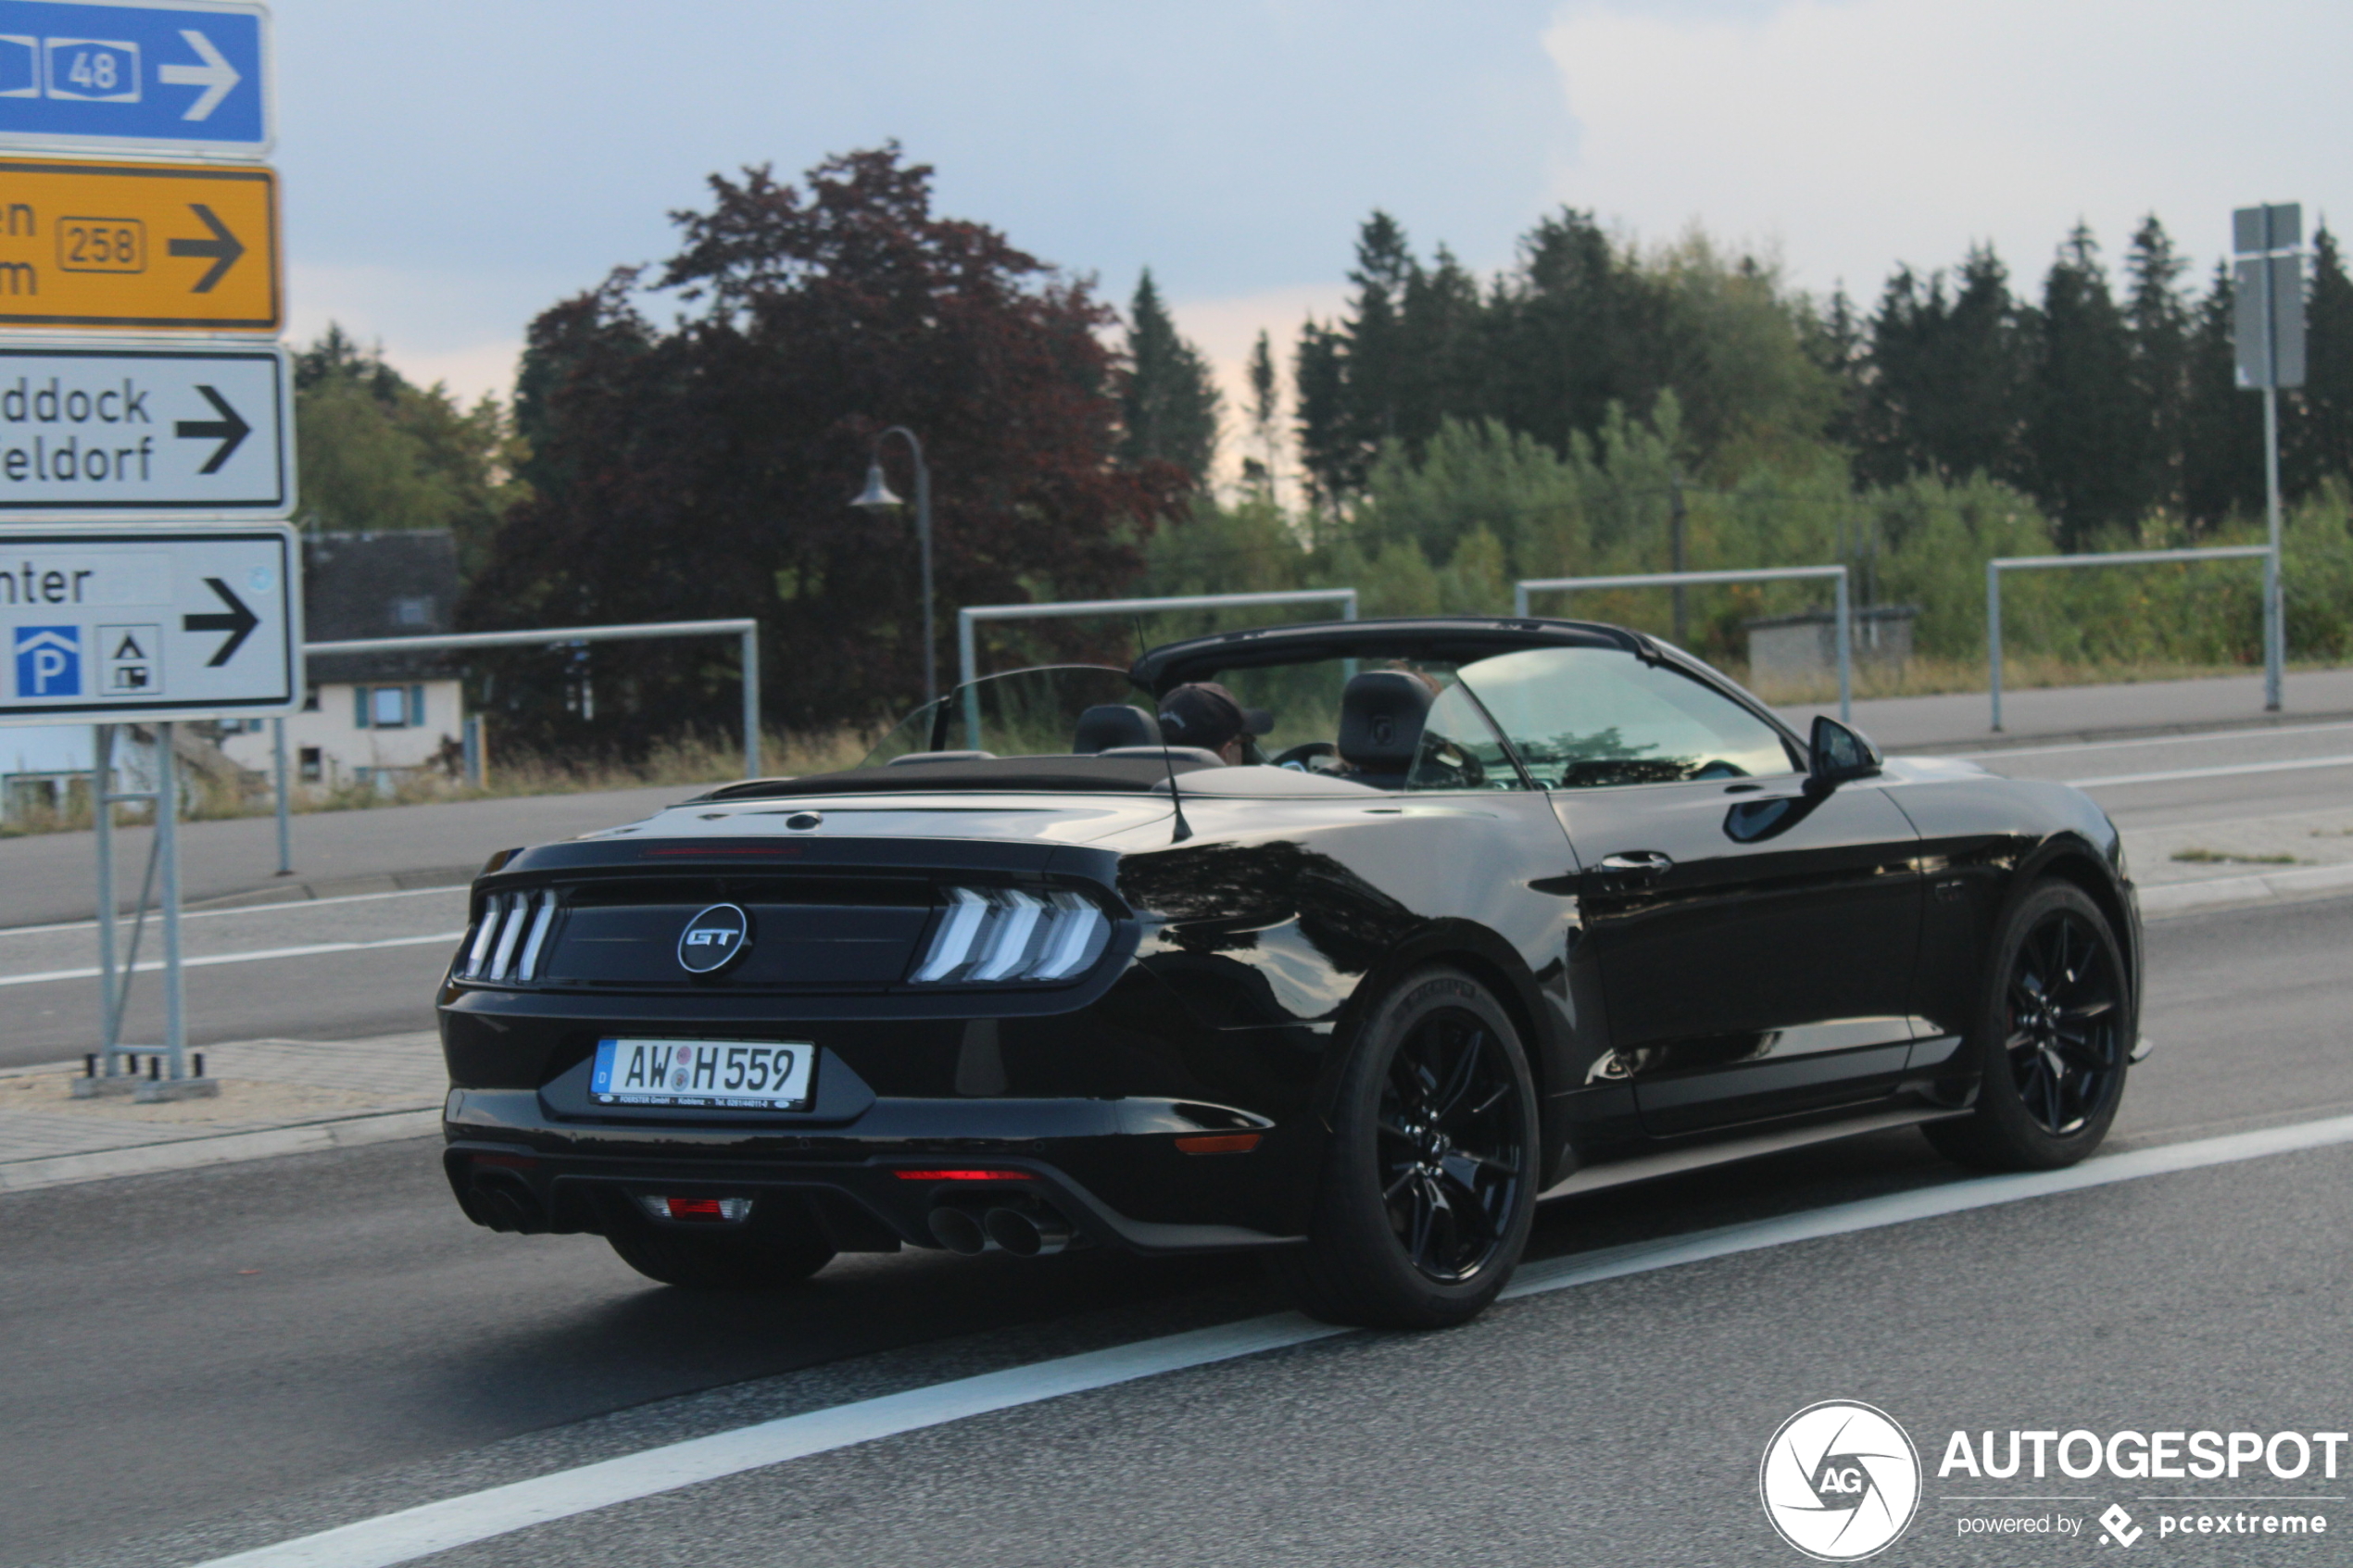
[369, 719]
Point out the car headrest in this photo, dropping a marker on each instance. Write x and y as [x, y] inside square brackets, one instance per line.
[1112, 723]
[1380, 721]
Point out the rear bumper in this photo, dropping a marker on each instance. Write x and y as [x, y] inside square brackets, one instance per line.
[1114, 1169]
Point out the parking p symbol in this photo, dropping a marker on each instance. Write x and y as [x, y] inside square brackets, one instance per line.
[48, 660]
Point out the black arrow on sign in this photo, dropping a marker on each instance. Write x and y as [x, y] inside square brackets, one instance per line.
[229, 430]
[239, 624]
[222, 249]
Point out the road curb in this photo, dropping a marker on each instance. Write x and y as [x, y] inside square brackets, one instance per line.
[2171, 899]
[221, 1148]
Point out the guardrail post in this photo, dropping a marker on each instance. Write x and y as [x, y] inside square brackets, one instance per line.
[1519, 601]
[967, 653]
[751, 700]
[102, 800]
[1348, 606]
[284, 809]
[1993, 637]
[175, 1023]
[1845, 654]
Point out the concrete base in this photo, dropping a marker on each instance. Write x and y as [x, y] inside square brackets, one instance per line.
[156, 1091]
[92, 1088]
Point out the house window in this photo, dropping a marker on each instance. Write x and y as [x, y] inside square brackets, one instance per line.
[387, 708]
[311, 764]
[311, 699]
[412, 612]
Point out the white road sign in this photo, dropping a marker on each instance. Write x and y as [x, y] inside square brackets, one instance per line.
[150, 433]
[110, 626]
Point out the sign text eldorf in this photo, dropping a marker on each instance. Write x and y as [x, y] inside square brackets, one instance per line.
[111, 626]
[154, 433]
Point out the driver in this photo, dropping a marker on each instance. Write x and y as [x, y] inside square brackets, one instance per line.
[1205, 714]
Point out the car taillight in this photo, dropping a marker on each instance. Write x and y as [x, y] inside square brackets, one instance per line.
[510, 938]
[1004, 935]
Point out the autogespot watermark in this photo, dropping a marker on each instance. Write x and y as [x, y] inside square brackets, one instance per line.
[1841, 1481]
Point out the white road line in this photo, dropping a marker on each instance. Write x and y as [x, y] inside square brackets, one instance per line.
[2287, 767]
[278, 908]
[311, 950]
[440, 1526]
[2205, 736]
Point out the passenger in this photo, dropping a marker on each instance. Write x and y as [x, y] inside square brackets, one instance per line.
[1205, 714]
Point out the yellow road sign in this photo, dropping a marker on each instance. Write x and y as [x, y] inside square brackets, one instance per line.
[143, 245]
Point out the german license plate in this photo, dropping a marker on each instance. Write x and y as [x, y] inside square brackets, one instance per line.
[714, 1074]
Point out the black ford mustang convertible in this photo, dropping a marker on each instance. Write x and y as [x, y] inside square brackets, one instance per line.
[1447, 917]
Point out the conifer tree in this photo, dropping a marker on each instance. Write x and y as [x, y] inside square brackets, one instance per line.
[2221, 424]
[2160, 320]
[1170, 406]
[2319, 446]
[1265, 407]
[2085, 436]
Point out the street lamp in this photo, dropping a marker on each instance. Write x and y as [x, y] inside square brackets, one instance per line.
[878, 497]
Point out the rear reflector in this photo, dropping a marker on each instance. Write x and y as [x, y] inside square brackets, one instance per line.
[961, 1175]
[707, 1209]
[1220, 1143]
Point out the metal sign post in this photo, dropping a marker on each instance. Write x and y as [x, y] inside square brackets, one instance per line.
[2267, 298]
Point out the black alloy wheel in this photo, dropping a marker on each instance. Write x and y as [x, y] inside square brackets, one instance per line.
[1450, 1153]
[2054, 1032]
[1430, 1183]
[2065, 1001]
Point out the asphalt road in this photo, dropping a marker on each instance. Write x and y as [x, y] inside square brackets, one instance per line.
[213, 1362]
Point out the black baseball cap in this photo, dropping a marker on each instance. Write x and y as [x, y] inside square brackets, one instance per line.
[1205, 714]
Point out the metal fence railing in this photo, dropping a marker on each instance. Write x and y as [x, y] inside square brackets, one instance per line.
[969, 618]
[1843, 610]
[748, 630]
[1999, 564]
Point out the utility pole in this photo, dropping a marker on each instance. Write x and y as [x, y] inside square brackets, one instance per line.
[1676, 517]
[2268, 304]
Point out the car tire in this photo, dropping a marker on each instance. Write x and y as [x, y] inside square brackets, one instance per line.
[2054, 1030]
[1428, 1184]
[769, 1256]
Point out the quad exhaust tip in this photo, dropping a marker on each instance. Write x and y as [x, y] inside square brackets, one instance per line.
[1025, 1233]
[959, 1230]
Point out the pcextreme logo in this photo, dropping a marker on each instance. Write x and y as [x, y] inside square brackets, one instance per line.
[1840, 1481]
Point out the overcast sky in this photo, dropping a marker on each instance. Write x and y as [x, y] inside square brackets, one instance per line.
[452, 168]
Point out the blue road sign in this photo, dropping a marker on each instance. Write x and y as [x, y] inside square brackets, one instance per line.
[48, 662]
[121, 75]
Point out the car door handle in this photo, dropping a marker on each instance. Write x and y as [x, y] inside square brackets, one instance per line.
[1634, 868]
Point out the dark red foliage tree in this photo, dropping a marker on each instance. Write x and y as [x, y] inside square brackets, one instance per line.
[704, 469]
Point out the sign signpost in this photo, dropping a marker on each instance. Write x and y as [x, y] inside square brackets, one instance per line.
[139, 246]
[146, 432]
[149, 619]
[2268, 329]
[178, 75]
[105, 627]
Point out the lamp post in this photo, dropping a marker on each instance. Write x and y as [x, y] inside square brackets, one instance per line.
[878, 497]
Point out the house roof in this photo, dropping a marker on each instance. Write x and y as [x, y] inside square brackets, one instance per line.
[391, 584]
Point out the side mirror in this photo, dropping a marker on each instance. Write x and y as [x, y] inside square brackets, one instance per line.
[1838, 754]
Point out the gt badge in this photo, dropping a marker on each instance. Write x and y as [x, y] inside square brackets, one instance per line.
[713, 939]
